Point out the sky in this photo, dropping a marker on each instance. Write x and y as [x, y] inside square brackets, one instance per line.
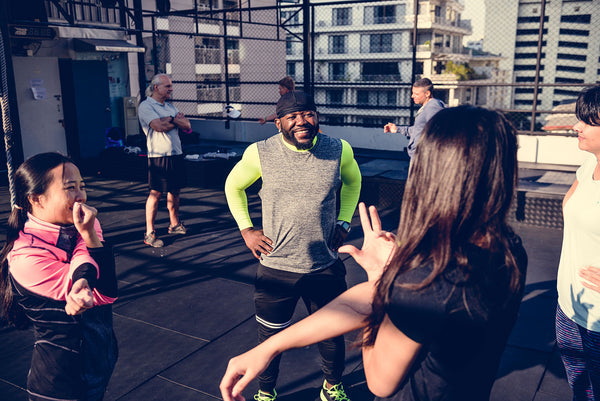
[474, 11]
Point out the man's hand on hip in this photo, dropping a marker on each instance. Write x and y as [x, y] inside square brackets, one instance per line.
[339, 236]
[257, 242]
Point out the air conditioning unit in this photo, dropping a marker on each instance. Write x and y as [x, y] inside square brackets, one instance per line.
[321, 23]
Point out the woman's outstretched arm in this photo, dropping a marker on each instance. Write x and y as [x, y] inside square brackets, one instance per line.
[344, 314]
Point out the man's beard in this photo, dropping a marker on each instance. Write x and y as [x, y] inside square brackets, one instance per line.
[312, 129]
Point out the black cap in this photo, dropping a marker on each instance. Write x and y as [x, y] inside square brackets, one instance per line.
[294, 101]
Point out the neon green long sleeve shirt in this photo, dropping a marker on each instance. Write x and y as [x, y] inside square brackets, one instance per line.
[248, 170]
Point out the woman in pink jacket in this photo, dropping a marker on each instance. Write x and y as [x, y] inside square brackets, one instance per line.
[57, 274]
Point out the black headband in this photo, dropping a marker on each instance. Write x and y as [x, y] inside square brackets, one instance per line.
[294, 101]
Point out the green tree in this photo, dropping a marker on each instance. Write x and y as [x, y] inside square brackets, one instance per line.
[462, 70]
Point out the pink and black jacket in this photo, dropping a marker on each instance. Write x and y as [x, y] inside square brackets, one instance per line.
[73, 356]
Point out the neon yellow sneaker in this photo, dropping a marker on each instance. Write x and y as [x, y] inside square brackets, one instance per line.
[262, 396]
[335, 393]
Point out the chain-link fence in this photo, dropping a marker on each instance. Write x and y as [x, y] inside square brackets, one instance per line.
[360, 58]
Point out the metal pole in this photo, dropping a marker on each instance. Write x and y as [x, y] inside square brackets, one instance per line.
[139, 27]
[306, 50]
[8, 103]
[226, 62]
[537, 66]
[414, 54]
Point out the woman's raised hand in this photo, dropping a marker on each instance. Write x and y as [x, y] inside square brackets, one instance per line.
[80, 298]
[84, 217]
[378, 246]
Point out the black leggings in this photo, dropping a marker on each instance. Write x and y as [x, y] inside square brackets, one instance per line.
[275, 297]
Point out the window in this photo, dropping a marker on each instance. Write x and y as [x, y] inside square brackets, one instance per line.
[575, 45]
[580, 19]
[289, 46]
[531, 31]
[529, 79]
[331, 119]
[291, 69]
[570, 68]
[290, 17]
[575, 32]
[566, 92]
[335, 96]
[337, 71]
[527, 67]
[337, 44]
[377, 43]
[382, 71]
[529, 55]
[527, 90]
[529, 43]
[341, 16]
[531, 19]
[373, 121]
[565, 56]
[568, 80]
[380, 15]
[367, 98]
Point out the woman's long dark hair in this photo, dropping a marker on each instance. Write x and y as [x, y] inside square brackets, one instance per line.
[31, 178]
[458, 192]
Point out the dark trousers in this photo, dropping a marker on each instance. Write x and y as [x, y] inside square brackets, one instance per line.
[275, 297]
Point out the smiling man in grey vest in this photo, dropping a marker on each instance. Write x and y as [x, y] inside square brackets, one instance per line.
[301, 171]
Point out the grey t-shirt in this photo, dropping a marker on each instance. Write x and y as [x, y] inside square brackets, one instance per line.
[159, 144]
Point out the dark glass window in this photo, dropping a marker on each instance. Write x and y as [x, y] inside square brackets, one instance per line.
[341, 16]
[337, 44]
[335, 96]
[575, 45]
[383, 71]
[529, 43]
[566, 56]
[568, 80]
[580, 19]
[531, 31]
[528, 55]
[575, 32]
[570, 68]
[531, 19]
[337, 71]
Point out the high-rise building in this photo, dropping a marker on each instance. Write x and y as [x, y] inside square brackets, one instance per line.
[570, 47]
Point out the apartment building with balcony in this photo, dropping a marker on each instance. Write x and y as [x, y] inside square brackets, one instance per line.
[363, 56]
[210, 64]
[570, 50]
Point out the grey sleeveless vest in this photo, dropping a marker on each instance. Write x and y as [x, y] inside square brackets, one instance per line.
[298, 195]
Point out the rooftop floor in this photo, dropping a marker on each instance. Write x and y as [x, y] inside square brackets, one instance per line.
[185, 309]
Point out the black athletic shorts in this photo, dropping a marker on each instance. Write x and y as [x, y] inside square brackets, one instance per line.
[166, 174]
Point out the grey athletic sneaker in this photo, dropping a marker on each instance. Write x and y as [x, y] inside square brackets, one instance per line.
[178, 229]
[152, 240]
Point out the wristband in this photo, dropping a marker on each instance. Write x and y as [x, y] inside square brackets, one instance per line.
[344, 225]
[172, 119]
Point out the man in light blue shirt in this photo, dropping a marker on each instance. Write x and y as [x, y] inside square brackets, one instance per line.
[161, 122]
[422, 93]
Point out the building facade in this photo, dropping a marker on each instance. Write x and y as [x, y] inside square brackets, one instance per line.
[569, 51]
[363, 56]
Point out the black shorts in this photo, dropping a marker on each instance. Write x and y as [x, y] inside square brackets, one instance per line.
[277, 292]
[166, 174]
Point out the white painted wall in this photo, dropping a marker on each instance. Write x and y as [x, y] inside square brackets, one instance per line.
[534, 149]
[40, 119]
